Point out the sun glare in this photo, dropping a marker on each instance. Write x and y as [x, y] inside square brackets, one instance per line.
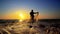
[21, 16]
[21, 20]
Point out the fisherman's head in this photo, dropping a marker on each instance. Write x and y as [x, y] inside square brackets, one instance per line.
[31, 10]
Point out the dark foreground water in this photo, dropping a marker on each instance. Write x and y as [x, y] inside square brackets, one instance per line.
[43, 26]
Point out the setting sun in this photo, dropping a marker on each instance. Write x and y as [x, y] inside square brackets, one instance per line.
[23, 15]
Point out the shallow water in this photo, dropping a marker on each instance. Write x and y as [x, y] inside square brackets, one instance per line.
[29, 28]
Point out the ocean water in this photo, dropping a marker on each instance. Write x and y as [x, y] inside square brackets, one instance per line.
[43, 26]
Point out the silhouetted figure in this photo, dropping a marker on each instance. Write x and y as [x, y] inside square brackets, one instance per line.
[32, 15]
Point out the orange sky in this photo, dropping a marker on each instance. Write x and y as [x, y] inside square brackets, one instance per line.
[25, 15]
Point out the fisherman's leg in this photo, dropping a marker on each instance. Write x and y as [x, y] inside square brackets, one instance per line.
[32, 19]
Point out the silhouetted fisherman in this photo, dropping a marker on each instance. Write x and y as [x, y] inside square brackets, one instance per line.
[32, 15]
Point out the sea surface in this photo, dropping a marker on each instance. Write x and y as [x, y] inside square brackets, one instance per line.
[42, 26]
